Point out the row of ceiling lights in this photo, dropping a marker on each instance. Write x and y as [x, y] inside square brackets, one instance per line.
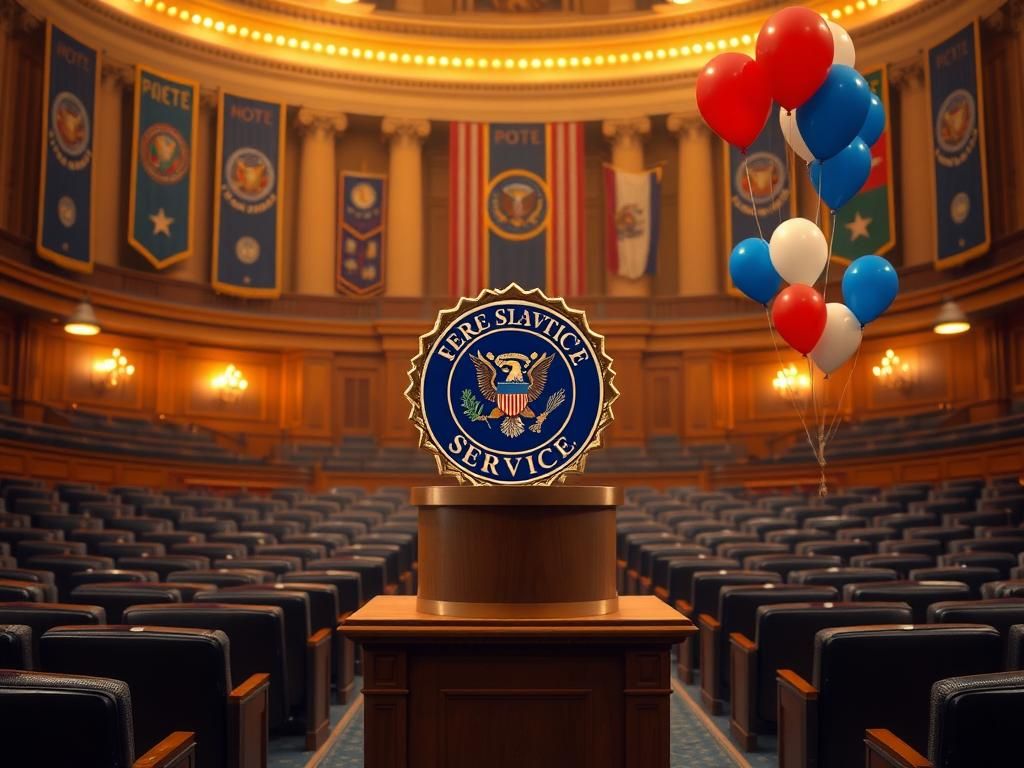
[472, 62]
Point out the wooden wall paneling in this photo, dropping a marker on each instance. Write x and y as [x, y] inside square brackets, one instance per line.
[1016, 365]
[707, 394]
[306, 393]
[357, 409]
[435, 225]
[258, 410]
[400, 343]
[7, 347]
[663, 394]
[20, 114]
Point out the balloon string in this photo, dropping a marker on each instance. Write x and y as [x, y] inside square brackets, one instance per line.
[834, 426]
[821, 179]
[828, 263]
[789, 391]
[819, 423]
[753, 203]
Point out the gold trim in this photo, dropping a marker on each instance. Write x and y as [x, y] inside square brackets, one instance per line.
[541, 496]
[445, 465]
[518, 610]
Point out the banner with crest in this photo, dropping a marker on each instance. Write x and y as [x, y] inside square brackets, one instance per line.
[70, 84]
[247, 215]
[517, 204]
[759, 188]
[361, 220]
[867, 224]
[958, 145]
[162, 195]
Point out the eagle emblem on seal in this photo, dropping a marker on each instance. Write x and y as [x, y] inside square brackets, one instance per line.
[525, 379]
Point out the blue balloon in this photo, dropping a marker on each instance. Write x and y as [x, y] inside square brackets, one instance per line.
[830, 119]
[869, 286]
[874, 123]
[750, 267]
[839, 178]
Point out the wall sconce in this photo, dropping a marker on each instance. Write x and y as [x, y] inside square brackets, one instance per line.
[894, 373]
[231, 384]
[789, 382]
[112, 372]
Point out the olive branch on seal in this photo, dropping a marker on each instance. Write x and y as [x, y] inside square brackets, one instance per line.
[472, 409]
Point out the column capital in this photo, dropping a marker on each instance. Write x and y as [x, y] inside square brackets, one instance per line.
[313, 121]
[627, 128]
[117, 73]
[208, 97]
[405, 127]
[908, 72]
[1007, 20]
[685, 126]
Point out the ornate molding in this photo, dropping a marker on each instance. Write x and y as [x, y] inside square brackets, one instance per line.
[116, 73]
[310, 121]
[909, 72]
[626, 129]
[686, 126]
[415, 129]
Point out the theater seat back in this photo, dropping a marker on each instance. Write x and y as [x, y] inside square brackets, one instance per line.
[975, 721]
[15, 646]
[40, 617]
[999, 613]
[881, 677]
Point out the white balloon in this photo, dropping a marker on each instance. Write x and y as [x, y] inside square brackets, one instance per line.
[842, 45]
[798, 251]
[840, 339]
[791, 132]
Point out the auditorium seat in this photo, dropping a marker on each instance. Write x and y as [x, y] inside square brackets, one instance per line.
[62, 566]
[43, 578]
[111, 575]
[873, 677]
[21, 591]
[784, 639]
[278, 565]
[784, 564]
[793, 536]
[114, 597]
[873, 534]
[222, 577]
[25, 550]
[180, 679]
[680, 573]
[929, 547]
[170, 538]
[917, 594]
[941, 533]
[1001, 561]
[207, 525]
[839, 577]
[370, 570]
[305, 552]
[1015, 647]
[64, 720]
[844, 550]
[250, 539]
[868, 510]
[15, 646]
[164, 564]
[902, 564]
[214, 550]
[833, 523]
[255, 634]
[973, 576]
[1003, 588]
[973, 722]
[117, 550]
[1013, 545]
[92, 539]
[737, 612]
[1000, 613]
[43, 616]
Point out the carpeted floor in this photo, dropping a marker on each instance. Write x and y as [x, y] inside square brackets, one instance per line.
[698, 739]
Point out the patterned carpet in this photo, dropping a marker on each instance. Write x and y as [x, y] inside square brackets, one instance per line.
[698, 740]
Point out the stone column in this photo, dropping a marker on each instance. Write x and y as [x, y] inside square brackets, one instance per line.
[627, 139]
[111, 220]
[314, 255]
[403, 269]
[917, 205]
[697, 248]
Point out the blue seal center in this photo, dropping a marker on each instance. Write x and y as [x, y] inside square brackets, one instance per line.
[512, 392]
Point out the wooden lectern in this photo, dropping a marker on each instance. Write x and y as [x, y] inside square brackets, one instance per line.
[517, 652]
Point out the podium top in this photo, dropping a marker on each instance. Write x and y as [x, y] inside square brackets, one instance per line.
[540, 496]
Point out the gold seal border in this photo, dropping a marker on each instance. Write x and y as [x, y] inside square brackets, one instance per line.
[445, 466]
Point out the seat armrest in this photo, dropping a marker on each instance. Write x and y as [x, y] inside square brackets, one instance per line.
[175, 751]
[318, 688]
[743, 687]
[684, 607]
[247, 722]
[798, 721]
[884, 749]
[661, 593]
[710, 670]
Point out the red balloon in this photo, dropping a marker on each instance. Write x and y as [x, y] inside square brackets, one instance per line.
[733, 98]
[795, 48]
[799, 315]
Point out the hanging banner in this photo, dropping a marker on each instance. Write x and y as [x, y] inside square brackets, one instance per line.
[517, 207]
[162, 195]
[632, 211]
[361, 218]
[867, 224]
[762, 185]
[958, 147]
[70, 84]
[247, 217]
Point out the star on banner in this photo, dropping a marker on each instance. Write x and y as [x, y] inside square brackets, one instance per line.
[161, 223]
[859, 226]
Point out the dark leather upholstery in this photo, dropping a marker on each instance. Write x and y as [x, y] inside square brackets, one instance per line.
[215, 550]
[873, 534]
[111, 575]
[60, 720]
[305, 552]
[793, 536]
[881, 677]
[295, 606]
[21, 591]
[902, 564]
[975, 721]
[707, 585]
[785, 638]
[15, 646]
[116, 596]
[222, 577]
[1001, 613]
[62, 566]
[347, 584]
[44, 578]
[370, 570]
[1014, 545]
[31, 548]
[840, 577]
[1001, 561]
[164, 564]
[250, 539]
[1015, 647]
[680, 574]
[943, 533]
[255, 632]
[323, 600]
[929, 547]
[179, 678]
[740, 550]
[390, 553]
[841, 549]
[973, 576]
[43, 616]
[783, 564]
[917, 594]
[1003, 588]
[277, 565]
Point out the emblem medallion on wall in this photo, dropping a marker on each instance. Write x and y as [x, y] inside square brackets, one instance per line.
[511, 388]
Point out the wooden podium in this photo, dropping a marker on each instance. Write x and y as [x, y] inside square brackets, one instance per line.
[516, 652]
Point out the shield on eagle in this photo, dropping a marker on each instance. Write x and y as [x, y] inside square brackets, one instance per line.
[512, 396]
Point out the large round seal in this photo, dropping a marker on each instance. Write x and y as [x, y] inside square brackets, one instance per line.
[511, 388]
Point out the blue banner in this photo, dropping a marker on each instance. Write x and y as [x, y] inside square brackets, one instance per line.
[361, 217]
[247, 225]
[759, 188]
[71, 81]
[958, 146]
[162, 196]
